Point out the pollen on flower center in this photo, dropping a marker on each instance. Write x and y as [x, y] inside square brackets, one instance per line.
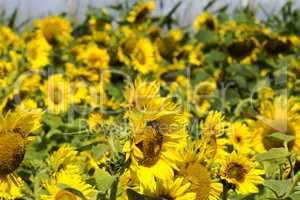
[236, 171]
[65, 195]
[151, 144]
[12, 150]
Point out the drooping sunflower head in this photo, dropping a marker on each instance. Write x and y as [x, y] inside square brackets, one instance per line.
[240, 171]
[141, 12]
[55, 29]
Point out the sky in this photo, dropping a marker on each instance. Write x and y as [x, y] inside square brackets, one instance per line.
[189, 9]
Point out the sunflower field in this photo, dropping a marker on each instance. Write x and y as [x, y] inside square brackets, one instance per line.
[131, 105]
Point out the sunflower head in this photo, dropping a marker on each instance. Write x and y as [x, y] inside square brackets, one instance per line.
[241, 171]
[141, 12]
[143, 56]
[205, 20]
[214, 124]
[55, 29]
[243, 50]
[12, 150]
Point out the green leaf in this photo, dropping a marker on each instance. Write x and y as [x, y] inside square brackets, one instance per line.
[278, 186]
[206, 36]
[281, 136]
[54, 121]
[295, 196]
[274, 153]
[215, 56]
[103, 180]
[99, 150]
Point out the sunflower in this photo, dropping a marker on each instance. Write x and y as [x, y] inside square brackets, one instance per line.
[141, 12]
[203, 96]
[198, 159]
[38, 51]
[96, 119]
[196, 57]
[243, 50]
[14, 131]
[94, 57]
[56, 92]
[55, 29]
[213, 129]
[6, 68]
[143, 56]
[205, 20]
[278, 115]
[61, 186]
[159, 136]
[65, 158]
[8, 38]
[277, 45]
[176, 189]
[240, 136]
[241, 172]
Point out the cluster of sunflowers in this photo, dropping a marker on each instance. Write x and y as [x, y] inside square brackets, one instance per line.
[130, 106]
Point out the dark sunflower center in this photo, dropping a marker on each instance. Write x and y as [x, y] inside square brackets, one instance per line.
[151, 144]
[65, 195]
[238, 139]
[241, 49]
[210, 24]
[142, 15]
[236, 171]
[12, 150]
[275, 47]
